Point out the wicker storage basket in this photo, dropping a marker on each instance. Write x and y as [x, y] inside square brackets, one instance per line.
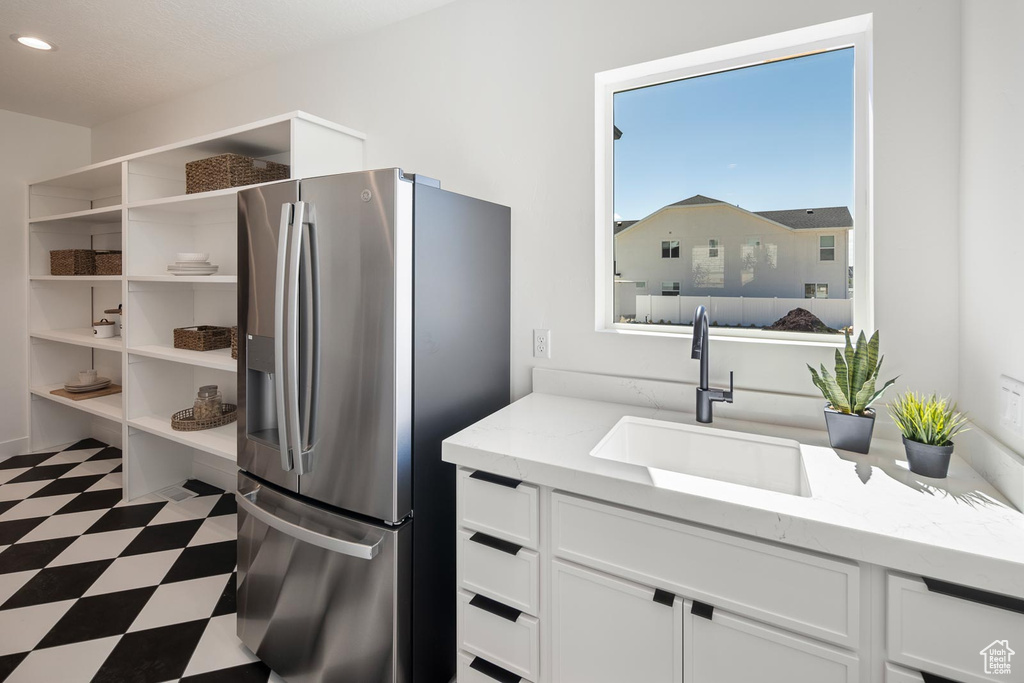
[72, 262]
[234, 343]
[108, 262]
[230, 170]
[185, 421]
[202, 338]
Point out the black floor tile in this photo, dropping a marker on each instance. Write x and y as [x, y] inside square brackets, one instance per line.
[227, 603]
[8, 663]
[119, 468]
[57, 583]
[92, 500]
[59, 487]
[12, 531]
[202, 488]
[35, 555]
[86, 443]
[254, 672]
[6, 505]
[225, 506]
[107, 453]
[98, 616]
[41, 472]
[157, 654]
[30, 460]
[127, 517]
[159, 537]
[202, 560]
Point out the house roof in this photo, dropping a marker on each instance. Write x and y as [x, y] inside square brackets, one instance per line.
[795, 219]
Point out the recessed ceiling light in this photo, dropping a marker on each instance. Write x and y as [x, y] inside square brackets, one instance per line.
[33, 42]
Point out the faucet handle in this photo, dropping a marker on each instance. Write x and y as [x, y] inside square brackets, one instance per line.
[728, 394]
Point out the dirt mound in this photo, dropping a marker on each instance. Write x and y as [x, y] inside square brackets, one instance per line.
[801, 320]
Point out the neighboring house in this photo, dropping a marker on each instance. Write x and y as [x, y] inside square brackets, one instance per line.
[705, 247]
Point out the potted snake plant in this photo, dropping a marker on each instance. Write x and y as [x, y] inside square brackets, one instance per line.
[928, 425]
[851, 392]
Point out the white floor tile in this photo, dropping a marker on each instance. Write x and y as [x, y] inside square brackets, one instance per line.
[148, 498]
[111, 481]
[12, 583]
[7, 475]
[193, 508]
[22, 490]
[68, 457]
[24, 627]
[62, 526]
[74, 663]
[96, 547]
[174, 603]
[219, 648]
[135, 571]
[216, 529]
[95, 467]
[36, 507]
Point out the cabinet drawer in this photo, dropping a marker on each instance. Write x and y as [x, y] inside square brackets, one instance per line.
[498, 569]
[897, 674]
[499, 507]
[803, 592]
[946, 634]
[473, 669]
[726, 648]
[499, 634]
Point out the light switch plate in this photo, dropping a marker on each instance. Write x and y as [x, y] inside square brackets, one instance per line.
[1011, 404]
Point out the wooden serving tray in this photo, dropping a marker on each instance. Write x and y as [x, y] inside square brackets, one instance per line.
[105, 391]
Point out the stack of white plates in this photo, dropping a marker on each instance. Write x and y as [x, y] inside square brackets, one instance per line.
[76, 387]
[192, 268]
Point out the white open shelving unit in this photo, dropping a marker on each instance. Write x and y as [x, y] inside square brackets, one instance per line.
[137, 203]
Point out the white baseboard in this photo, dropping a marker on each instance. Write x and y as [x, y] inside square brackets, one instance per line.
[215, 471]
[13, 447]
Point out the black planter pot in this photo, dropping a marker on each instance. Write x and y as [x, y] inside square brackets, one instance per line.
[927, 460]
[850, 432]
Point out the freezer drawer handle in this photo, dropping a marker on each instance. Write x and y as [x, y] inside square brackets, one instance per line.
[248, 502]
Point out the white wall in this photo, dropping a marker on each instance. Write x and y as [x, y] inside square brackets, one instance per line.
[992, 215]
[30, 148]
[495, 98]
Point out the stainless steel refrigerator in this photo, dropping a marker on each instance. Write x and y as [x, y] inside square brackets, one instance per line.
[373, 322]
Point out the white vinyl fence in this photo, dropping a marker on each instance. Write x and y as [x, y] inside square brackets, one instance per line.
[742, 310]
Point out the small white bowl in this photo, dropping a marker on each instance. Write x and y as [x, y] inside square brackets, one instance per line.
[186, 256]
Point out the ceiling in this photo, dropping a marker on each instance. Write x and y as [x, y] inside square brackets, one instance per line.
[117, 56]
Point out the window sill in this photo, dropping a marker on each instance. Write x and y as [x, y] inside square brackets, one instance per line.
[732, 335]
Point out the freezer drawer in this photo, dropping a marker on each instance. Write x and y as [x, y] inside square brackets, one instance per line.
[321, 596]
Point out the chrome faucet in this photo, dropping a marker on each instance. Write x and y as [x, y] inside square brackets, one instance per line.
[706, 396]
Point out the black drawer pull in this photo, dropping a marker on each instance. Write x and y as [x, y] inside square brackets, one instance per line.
[932, 678]
[496, 479]
[496, 543]
[975, 595]
[701, 609]
[664, 597]
[494, 671]
[496, 608]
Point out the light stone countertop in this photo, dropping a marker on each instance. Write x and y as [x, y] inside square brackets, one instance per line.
[867, 508]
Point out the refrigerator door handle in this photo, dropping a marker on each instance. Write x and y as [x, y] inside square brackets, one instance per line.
[311, 340]
[292, 336]
[279, 324]
[250, 503]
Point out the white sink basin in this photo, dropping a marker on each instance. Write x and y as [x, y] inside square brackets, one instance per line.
[668, 449]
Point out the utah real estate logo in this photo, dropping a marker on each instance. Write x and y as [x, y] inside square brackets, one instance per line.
[997, 657]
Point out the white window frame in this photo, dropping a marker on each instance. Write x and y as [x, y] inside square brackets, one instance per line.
[853, 32]
[678, 289]
[717, 247]
[816, 286]
[670, 243]
[834, 248]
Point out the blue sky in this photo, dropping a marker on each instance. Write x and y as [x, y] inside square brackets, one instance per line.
[773, 136]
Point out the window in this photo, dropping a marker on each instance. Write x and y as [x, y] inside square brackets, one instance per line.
[827, 248]
[815, 291]
[641, 284]
[718, 142]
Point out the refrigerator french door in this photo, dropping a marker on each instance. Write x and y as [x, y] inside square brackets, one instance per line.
[373, 322]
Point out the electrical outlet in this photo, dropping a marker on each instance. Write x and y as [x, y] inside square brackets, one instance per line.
[1011, 404]
[542, 343]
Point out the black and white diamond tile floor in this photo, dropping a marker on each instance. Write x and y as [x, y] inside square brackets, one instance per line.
[93, 589]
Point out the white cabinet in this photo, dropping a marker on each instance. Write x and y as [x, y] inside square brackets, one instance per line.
[607, 630]
[500, 634]
[498, 506]
[724, 648]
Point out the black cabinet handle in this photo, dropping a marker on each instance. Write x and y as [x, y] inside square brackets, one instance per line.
[700, 609]
[494, 671]
[496, 479]
[932, 678]
[496, 608]
[975, 595]
[664, 597]
[496, 543]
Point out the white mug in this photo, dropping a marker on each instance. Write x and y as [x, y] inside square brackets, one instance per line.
[104, 329]
[87, 376]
